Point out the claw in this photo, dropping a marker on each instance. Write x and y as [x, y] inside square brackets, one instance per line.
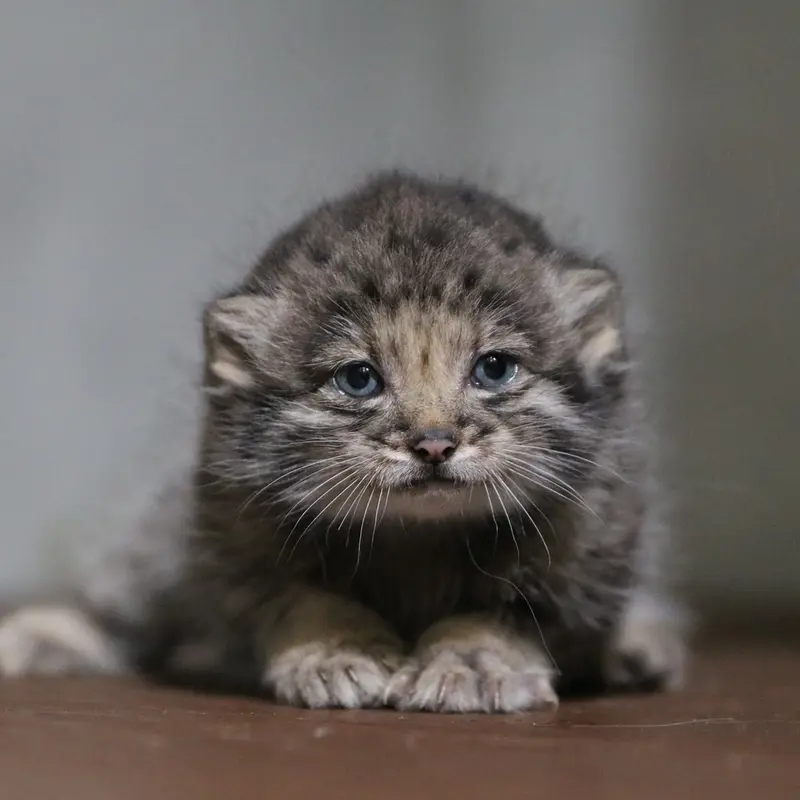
[443, 687]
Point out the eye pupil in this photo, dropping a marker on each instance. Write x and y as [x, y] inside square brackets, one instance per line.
[494, 370]
[357, 380]
[358, 376]
[494, 367]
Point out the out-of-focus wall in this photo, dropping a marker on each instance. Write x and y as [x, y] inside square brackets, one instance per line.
[726, 275]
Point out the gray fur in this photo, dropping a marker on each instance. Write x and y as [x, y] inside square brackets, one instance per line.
[305, 556]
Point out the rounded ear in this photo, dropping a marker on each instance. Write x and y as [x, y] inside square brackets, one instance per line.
[590, 299]
[239, 336]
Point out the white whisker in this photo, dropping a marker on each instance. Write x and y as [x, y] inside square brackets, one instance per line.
[491, 511]
[351, 511]
[527, 514]
[524, 598]
[316, 464]
[311, 491]
[344, 507]
[559, 456]
[508, 519]
[318, 515]
[377, 521]
[545, 479]
[345, 479]
[361, 530]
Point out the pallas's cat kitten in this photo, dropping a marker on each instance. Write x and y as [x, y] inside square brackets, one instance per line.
[420, 480]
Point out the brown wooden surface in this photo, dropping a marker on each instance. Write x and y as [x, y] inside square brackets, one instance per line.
[734, 733]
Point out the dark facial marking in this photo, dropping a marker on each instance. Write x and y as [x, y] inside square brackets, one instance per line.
[357, 411]
[435, 236]
[560, 440]
[485, 429]
[339, 307]
[470, 279]
[370, 290]
[344, 304]
[569, 379]
[406, 291]
[499, 399]
[495, 297]
[319, 253]
[393, 240]
[455, 302]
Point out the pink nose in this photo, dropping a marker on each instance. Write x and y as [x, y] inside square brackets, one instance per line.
[435, 446]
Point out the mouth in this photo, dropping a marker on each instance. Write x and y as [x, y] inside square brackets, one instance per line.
[433, 483]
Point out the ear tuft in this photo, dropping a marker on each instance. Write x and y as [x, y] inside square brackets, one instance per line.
[237, 331]
[590, 296]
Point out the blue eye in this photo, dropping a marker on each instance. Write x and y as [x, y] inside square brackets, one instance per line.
[358, 379]
[494, 370]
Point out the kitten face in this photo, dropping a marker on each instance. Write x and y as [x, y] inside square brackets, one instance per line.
[445, 376]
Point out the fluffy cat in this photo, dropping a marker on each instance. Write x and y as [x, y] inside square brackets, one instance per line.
[421, 479]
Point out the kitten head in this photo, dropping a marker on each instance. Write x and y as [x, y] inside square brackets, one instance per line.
[417, 350]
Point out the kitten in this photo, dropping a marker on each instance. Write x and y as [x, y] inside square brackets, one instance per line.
[420, 479]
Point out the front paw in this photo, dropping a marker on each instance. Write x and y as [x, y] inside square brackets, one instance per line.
[469, 666]
[451, 683]
[319, 675]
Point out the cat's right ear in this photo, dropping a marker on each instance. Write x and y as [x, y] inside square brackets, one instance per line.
[239, 334]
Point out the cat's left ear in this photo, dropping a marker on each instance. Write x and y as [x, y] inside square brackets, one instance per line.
[240, 333]
[591, 300]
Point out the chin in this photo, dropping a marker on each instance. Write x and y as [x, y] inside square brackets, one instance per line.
[437, 500]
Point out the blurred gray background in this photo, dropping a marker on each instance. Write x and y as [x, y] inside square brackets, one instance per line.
[148, 150]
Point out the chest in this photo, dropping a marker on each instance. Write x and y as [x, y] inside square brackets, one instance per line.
[413, 581]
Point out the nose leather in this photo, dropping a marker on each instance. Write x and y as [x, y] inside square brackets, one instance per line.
[435, 445]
